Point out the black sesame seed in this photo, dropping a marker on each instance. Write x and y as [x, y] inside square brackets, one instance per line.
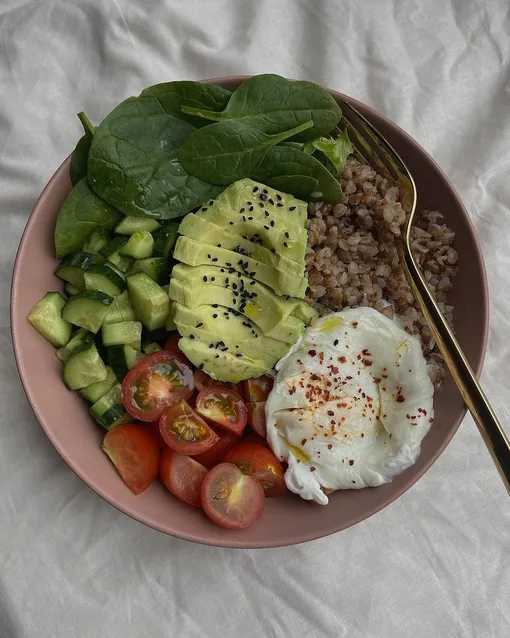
[239, 355]
[204, 210]
[231, 270]
[215, 315]
[286, 234]
[234, 301]
[234, 286]
[261, 204]
[266, 213]
[213, 278]
[271, 223]
[244, 218]
[199, 325]
[252, 274]
[242, 211]
[285, 244]
[204, 278]
[279, 205]
[217, 356]
[263, 196]
[236, 294]
[219, 245]
[252, 283]
[231, 223]
[226, 280]
[211, 345]
[215, 305]
[250, 203]
[250, 219]
[255, 189]
[292, 208]
[228, 263]
[250, 209]
[278, 197]
[201, 366]
[222, 269]
[273, 250]
[208, 256]
[215, 259]
[192, 336]
[271, 201]
[266, 227]
[335, 342]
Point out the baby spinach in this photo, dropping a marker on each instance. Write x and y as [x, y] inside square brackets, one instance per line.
[292, 171]
[132, 160]
[81, 213]
[273, 104]
[78, 165]
[337, 150]
[173, 96]
[227, 151]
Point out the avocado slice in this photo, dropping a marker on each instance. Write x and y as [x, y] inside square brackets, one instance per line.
[304, 312]
[219, 364]
[215, 331]
[256, 199]
[196, 253]
[201, 229]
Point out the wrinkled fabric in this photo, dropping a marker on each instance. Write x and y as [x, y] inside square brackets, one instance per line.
[434, 563]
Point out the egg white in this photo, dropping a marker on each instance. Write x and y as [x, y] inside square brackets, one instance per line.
[351, 404]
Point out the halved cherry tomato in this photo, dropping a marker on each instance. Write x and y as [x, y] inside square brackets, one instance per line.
[216, 454]
[203, 380]
[253, 437]
[230, 498]
[184, 431]
[259, 462]
[255, 390]
[134, 453]
[182, 475]
[171, 345]
[223, 407]
[257, 417]
[153, 428]
[155, 382]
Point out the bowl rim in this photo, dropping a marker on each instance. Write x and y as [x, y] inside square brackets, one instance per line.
[199, 537]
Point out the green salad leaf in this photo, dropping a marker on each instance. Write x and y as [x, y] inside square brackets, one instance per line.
[227, 151]
[81, 213]
[79, 158]
[337, 150]
[273, 104]
[132, 160]
[292, 171]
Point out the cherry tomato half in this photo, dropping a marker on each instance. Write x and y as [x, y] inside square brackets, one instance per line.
[155, 382]
[257, 461]
[184, 431]
[216, 454]
[257, 417]
[223, 407]
[258, 389]
[134, 453]
[203, 380]
[230, 498]
[171, 343]
[182, 475]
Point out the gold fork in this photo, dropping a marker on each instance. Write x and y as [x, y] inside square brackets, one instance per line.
[371, 148]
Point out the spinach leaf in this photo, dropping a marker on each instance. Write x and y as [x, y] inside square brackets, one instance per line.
[81, 213]
[337, 150]
[174, 95]
[78, 165]
[273, 104]
[292, 171]
[227, 151]
[132, 160]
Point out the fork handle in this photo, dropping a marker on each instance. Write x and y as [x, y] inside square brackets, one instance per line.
[488, 424]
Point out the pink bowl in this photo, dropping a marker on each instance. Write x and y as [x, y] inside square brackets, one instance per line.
[65, 419]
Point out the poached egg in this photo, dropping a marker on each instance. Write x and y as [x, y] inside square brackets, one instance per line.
[351, 403]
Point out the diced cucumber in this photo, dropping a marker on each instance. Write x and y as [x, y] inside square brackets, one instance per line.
[109, 410]
[122, 359]
[99, 239]
[105, 279]
[78, 339]
[131, 225]
[46, 317]
[119, 272]
[139, 245]
[84, 367]
[71, 290]
[149, 301]
[72, 268]
[95, 391]
[112, 253]
[120, 310]
[154, 267]
[150, 348]
[165, 240]
[125, 332]
[87, 309]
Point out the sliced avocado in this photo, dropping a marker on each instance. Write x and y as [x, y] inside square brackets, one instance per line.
[252, 299]
[201, 229]
[221, 365]
[195, 253]
[256, 199]
[235, 333]
[304, 312]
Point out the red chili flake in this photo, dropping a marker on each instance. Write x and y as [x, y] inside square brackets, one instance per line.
[362, 435]
[400, 399]
[321, 357]
[299, 362]
[367, 362]
[391, 435]
[342, 359]
[331, 413]
[303, 441]
[334, 369]
[414, 424]
[348, 347]
[366, 353]
[312, 469]
[330, 446]
[312, 353]
[349, 378]
[431, 420]
[314, 377]
[351, 462]
[358, 357]
[377, 379]
[292, 390]
[333, 422]
[422, 411]
[354, 324]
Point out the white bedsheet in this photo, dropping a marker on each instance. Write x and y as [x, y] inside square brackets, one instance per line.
[436, 562]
